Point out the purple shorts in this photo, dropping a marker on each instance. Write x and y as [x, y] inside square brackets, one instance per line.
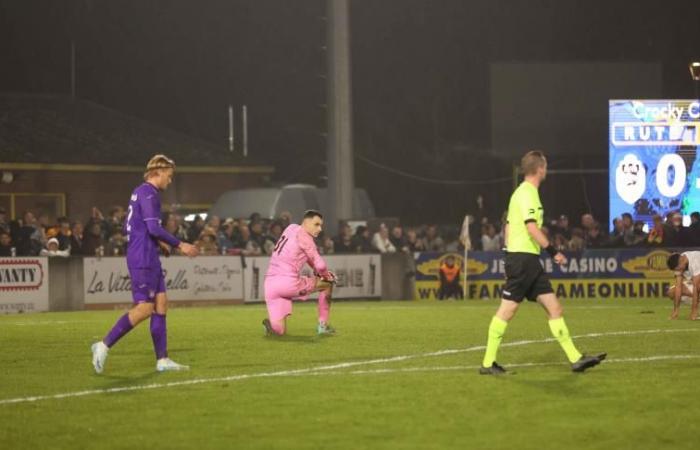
[146, 283]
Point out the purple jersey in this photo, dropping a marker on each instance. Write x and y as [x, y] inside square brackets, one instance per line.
[143, 229]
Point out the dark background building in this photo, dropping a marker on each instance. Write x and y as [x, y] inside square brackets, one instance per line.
[440, 89]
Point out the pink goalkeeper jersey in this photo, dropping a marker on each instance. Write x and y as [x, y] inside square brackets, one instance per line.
[295, 248]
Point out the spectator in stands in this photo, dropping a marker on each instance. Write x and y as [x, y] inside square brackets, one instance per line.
[4, 223]
[93, 244]
[248, 246]
[272, 237]
[490, 241]
[656, 234]
[5, 243]
[285, 218]
[452, 242]
[594, 238]
[413, 243]
[207, 242]
[96, 217]
[214, 223]
[694, 229]
[64, 233]
[361, 241]
[628, 229]
[327, 247]
[449, 280]
[225, 238]
[182, 228]
[31, 236]
[43, 222]
[432, 241]
[76, 238]
[343, 242]
[563, 227]
[116, 245]
[639, 237]
[587, 222]
[398, 240]
[617, 238]
[675, 234]
[196, 228]
[381, 241]
[577, 242]
[256, 233]
[53, 250]
[170, 224]
[115, 221]
[560, 243]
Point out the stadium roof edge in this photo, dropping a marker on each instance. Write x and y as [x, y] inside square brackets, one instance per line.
[264, 170]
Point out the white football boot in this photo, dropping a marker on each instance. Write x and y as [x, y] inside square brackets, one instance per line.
[99, 356]
[167, 364]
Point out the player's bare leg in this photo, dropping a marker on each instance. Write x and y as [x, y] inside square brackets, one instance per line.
[507, 309]
[694, 308]
[560, 331]
[686, 294]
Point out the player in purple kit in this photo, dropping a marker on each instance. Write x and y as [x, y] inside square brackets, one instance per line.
[145, 235]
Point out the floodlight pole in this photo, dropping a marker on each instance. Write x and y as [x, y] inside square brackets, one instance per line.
[341, 173]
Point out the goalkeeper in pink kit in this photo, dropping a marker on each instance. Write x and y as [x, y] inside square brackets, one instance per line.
[283, 282]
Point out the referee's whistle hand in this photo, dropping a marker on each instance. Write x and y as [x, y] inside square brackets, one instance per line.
[559, 258]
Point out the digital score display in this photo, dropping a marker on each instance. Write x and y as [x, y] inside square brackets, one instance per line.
[653, 160]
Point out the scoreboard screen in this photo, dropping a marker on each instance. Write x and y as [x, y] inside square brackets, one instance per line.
[654, 163]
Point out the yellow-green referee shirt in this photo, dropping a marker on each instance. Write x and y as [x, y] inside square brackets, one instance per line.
[524, 206]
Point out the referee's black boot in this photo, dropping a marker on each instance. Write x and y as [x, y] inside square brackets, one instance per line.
[586, 362]
[495, 369]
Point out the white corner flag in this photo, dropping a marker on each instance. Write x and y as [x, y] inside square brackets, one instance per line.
[466, 241]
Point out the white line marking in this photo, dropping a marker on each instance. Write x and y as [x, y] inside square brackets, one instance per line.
[449, 368]
[324, 369]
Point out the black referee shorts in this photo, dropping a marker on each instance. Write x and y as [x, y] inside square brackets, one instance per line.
[525, 278]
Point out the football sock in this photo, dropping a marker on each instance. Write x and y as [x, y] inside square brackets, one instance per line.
[119, 329]
[497, 329]
[324, 306]
[561, 334]
[159, 334]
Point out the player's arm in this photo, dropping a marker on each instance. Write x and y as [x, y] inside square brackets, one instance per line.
[151, 215]
[539, 237]
[677, 293]
[314, 259]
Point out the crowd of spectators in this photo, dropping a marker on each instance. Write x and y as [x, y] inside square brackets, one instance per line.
[666, 231]
[255, 236]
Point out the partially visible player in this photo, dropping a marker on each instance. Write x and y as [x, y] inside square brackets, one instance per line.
[686, 268]
[525, 277]
[144, 235]
[283, 282]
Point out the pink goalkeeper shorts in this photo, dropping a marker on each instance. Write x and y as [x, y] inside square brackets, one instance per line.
[279, 292]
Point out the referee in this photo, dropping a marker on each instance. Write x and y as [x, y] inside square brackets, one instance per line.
[525, 277]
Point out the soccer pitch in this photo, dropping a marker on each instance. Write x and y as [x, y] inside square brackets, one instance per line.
[397, 375]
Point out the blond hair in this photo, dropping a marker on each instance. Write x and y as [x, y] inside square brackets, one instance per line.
[158, 162]
[532, 161]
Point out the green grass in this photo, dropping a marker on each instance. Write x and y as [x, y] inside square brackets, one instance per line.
[436, 401]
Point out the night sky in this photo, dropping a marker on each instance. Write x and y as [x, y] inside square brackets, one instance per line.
[420, 75]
